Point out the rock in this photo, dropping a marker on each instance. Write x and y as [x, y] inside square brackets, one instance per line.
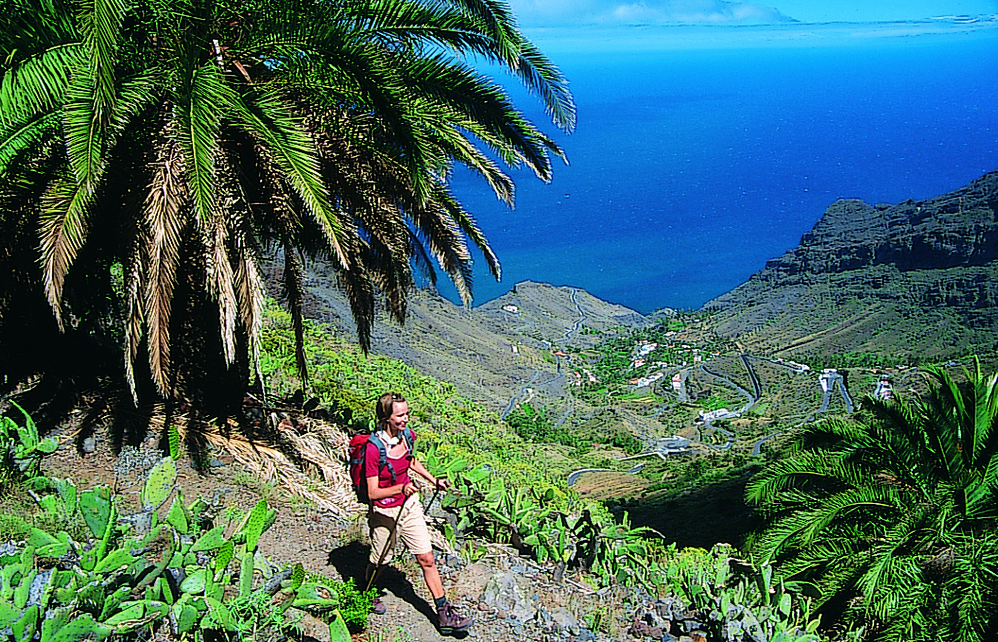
[502, 593]
[641, 629]
[314, 628]
[472, 579]
[670, 608]
[564, 619]
[38, 586]
[89, 445]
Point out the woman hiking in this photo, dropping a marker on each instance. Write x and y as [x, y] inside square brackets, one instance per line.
[396, 511]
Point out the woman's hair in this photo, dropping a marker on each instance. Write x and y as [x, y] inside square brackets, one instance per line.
[386, 404]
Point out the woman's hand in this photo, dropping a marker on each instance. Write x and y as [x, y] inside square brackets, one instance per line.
[409, 489]
[441, 484]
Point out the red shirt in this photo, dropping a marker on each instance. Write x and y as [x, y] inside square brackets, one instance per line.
[401, 466]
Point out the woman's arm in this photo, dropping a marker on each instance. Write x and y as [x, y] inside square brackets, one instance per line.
[417, 466]
[375, 492]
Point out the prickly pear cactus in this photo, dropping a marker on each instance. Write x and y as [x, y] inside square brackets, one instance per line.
[79, 628]
[159, 484]
[297, 576]
[179, 517]
[338, 631]
[95, 506]
[25, 627]
[255, 524]
[246, 575]
[224, 556]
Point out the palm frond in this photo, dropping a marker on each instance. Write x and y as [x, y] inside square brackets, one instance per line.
[467, 224]
[38, 84]
[199, 125]
[26, 136]
[100, 22]
[220, 282]
[270, 120]
[249, 291]
[294, 296]
[134, 312]
[543, 77]
[62, 231]
[163, 224]
[135, 95]
[85, 143]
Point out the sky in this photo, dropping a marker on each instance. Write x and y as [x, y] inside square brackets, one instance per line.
[559, 13]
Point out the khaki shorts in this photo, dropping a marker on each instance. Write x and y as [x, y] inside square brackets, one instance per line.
[411, 530]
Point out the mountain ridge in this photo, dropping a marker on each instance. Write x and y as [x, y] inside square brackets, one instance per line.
[877, 279]
[916, 280]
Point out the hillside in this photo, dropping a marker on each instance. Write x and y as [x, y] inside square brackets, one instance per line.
[915, 281]
[702, 413]
[489, 352]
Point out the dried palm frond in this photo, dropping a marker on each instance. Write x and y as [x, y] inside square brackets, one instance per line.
[320, 444]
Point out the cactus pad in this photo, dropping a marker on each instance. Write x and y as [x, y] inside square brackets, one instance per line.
[77, 629]
[255, 524]
[179, 517]
[297, 576]
[159, 484]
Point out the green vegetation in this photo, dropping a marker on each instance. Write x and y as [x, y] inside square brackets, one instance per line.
[21, 448]
[613, 361]
[85, 571]
[150, 152]
[862, 360]
[535, 425]
[891, 516]
[502, 493]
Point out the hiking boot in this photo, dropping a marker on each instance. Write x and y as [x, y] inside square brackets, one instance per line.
[451, 621]
[378, 607]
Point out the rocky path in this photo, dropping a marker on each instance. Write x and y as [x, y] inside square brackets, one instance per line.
[508, 596]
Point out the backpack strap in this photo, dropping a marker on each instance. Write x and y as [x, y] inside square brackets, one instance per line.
[410, 439]
[382, 455]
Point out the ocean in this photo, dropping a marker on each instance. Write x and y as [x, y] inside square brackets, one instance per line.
[702, 152]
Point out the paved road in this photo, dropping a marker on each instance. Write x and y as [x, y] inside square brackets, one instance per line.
[736, 387]
[835, 380]
[521, 393]
[756, 386]
[574, 475]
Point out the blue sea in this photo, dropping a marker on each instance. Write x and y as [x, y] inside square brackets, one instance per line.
[702, 152]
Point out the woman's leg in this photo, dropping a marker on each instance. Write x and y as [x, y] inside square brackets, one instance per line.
[413, 531]
[381, 524]
[430, 574]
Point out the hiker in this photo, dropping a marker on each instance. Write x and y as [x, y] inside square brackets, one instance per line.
[396, 511]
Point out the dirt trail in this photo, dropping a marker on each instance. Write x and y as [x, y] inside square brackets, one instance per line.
[337, 547]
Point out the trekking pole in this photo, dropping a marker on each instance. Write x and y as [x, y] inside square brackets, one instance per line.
[388, 544]
[436, 492]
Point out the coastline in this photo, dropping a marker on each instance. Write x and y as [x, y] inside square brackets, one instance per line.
[650, 38]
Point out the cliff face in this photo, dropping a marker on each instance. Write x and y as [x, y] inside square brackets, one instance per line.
[919, 278]
[953, 230]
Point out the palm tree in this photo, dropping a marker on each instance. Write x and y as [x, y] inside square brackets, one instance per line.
[162, 148]
[897, 508]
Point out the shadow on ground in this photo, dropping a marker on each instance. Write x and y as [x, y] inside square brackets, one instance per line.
[350, 561]
[700, 517]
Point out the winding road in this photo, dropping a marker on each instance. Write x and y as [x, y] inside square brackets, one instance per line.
[663, 448]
